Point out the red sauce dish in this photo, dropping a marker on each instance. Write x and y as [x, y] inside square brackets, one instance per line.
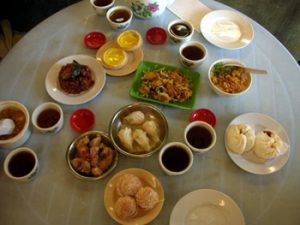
[82, 120]
[156, 35]
[94, 39]
[205, 115]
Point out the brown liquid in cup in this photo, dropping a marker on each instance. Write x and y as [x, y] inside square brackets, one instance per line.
[21, 164]
[199, 137]
[192, 52]
[48, 118]
[119, 16]
[102, 3]
[175, 159]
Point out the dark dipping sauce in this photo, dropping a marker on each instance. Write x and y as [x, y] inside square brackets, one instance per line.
[48, 118]
[119, 16]
[180, 29]
[192, 52]
[102, 3]
[175, 159]
[21, 164]
[199, 137]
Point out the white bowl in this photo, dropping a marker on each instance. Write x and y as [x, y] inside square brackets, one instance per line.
[218, 90]
[24, 134]
[119, 25]
[209, 128]
[177, 38]
[184, 148]
[39, 109]
[101, 10]
[23, 164]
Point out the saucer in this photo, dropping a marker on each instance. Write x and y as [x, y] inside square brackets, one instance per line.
[134, 58]
[156, 35]
[94, 39]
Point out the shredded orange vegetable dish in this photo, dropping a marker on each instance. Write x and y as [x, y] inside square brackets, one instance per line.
[166, 86]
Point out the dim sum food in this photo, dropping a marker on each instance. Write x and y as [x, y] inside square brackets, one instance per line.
[128, 184]
[125, 207]
[134, 118]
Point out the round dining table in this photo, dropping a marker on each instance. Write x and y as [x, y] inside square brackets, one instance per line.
[55, 196]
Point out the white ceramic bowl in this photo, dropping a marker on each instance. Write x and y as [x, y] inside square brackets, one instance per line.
[119, 25]
[180, 38]
[209, 128]
[175, 159]
[101, 10]
[23, 165]
[189, 62]
[24, 134]
[39, 109]
[218, 90]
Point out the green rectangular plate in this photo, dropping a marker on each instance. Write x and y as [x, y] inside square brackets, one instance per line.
[149, 66]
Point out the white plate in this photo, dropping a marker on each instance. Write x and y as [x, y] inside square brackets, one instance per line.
[134, 58]
[260, 122]
[57, 94]
[226, 29]
[206, 206]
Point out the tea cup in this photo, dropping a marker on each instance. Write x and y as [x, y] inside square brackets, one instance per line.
[192, 54]
[102, 6]
[119, 17]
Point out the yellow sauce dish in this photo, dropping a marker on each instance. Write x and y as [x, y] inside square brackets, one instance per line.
[114, 58]
[129, 40]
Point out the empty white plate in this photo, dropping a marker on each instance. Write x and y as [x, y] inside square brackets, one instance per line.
[227, 29]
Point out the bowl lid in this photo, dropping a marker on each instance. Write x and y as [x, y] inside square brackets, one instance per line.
[205, 115]
[156, 35]
[82, 120]
[94, 39]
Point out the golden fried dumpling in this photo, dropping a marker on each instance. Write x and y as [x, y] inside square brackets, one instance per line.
[240, 138]
[128, 184]
[267, 144]
[146, 198]
[125, 207]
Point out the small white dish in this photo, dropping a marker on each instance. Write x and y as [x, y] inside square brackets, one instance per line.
[44, 121]
[52, 84]
[227, 29]
[134, 58]
[260, 122]
[206, 206]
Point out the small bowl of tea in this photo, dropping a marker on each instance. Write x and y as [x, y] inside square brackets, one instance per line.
[200, 136]
[180, 31]
[47, 117]
[192, 54]
[21, 164]
[119, 17]
[175, 158]
[102, 6]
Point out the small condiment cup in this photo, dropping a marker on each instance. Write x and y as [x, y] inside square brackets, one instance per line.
[175, 158]
[45, 120]
[200, 136]
[21, 164]
[180, 31]
[192, 54]
[119, 17]
[101, 7]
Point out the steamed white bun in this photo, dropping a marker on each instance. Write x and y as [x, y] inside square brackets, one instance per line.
[240, 138]
[267, 145]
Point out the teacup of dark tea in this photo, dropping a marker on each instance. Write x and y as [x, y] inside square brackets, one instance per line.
[200, 136]
[21, 164]
[102, 6]
[48, 117]
[175, 158]
[192, 54]
[180, 31]
[119, 17]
